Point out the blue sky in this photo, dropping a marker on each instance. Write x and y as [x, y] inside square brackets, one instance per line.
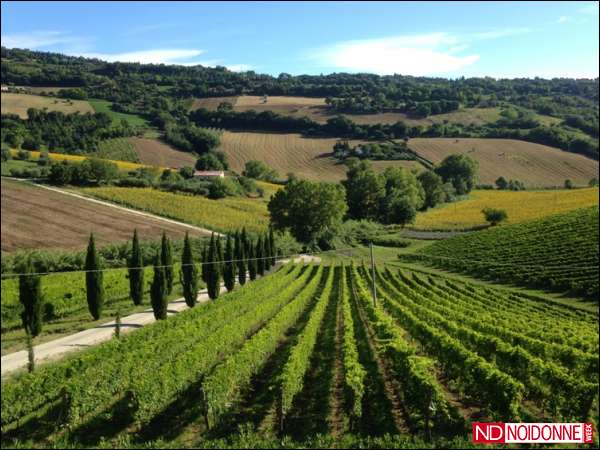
[450, 39]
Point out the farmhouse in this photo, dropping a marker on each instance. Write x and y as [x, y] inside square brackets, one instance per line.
[209, 174]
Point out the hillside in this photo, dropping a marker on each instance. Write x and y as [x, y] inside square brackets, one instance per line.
[520, 206]
[19, 104]
[535, 165]
[559, 252]
[309, 158]
[155, 152]
[33, 217]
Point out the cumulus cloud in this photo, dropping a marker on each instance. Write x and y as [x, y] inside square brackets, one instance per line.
[155, 56]
[563, 19]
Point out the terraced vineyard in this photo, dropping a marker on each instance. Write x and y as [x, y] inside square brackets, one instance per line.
[559, 252]
[428, 358]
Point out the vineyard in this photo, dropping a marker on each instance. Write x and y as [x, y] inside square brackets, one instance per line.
[306, 352]
[223, 215]
[559, 253]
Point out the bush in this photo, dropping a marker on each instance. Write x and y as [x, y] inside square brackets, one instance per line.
[224, 187]
[23, 155]
[494, 216]
[568, 184]
[391, 241]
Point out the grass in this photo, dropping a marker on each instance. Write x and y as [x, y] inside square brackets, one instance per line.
[117, 149]
[20, 103]
[104, 106]
[520, 206]
[155, 152]
[8, 166]
[535, 165]
[224, 215]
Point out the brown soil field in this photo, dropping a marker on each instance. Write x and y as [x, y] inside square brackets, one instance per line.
[33, 217]
[20, 103]
[308, 158]
[316, 109]
[155, 152]
[535, 165]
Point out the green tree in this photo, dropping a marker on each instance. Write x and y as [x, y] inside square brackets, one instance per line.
[309, 210]
[593, 182]
[364, 190]
[136, 271]
[494, 216]
[259, 171]
[229, 266]
[30, 296]
[94, 280]
[240, 256]
[398, 208]
[166, 257]
[501, 183]
[460, 170]
[568, 184]
[189, 273]
[403, 182]
[30, 354]
[252, 264]
[209, 161]
[205, 266]
[272, 247]
[213, 282]
[158, 290]
[433, 188]
[260, 256]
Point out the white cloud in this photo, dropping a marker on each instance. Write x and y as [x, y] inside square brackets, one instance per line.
[36, 39]
[421, 54]
[239, 67]
[563, 19]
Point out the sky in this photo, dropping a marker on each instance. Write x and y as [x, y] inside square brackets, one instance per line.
[447, 39]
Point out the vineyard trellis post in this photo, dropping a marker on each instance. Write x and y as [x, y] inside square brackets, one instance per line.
[373, 274]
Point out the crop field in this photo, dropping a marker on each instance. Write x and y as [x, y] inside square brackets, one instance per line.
[228, 214]
[34, 156]
[520, 206]
[308, 158]
[104, 106]
[117, 149]
[535, 165]
[34, 217]
[155, 152]
[558, 252]
[305, 351]
[19, 104]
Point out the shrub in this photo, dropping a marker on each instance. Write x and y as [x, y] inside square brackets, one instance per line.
[494, 216]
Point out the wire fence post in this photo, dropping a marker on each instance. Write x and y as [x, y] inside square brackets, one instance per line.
[373, 274]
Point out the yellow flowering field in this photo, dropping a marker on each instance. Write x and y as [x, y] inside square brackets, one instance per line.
[228, 214]
[520, 206]
[123, 165]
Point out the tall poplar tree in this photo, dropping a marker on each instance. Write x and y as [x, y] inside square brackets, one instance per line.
[94, 280]
[260, 256]
[240, 256]
[136, 271]
[252, 261]
[214, 275]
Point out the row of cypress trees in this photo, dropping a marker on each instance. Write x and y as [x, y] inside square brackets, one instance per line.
[242, 256]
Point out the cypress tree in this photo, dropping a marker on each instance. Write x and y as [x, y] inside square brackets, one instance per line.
[252, 267]
[136, 272]
[214, 276]
[240, 255]
[272, 246]
[260, 256]
[229, 267]
[30, 296]
[205, 267]
[189, 274]
[166, 258]
[94, 280]
[158, 290]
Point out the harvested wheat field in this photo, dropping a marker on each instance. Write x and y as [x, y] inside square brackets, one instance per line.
[535, 165]
[20, 103]
[34, 217]
[155, 152]
[308, 158]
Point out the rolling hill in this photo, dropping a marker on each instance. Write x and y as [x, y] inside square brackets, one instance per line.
[19, 104]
